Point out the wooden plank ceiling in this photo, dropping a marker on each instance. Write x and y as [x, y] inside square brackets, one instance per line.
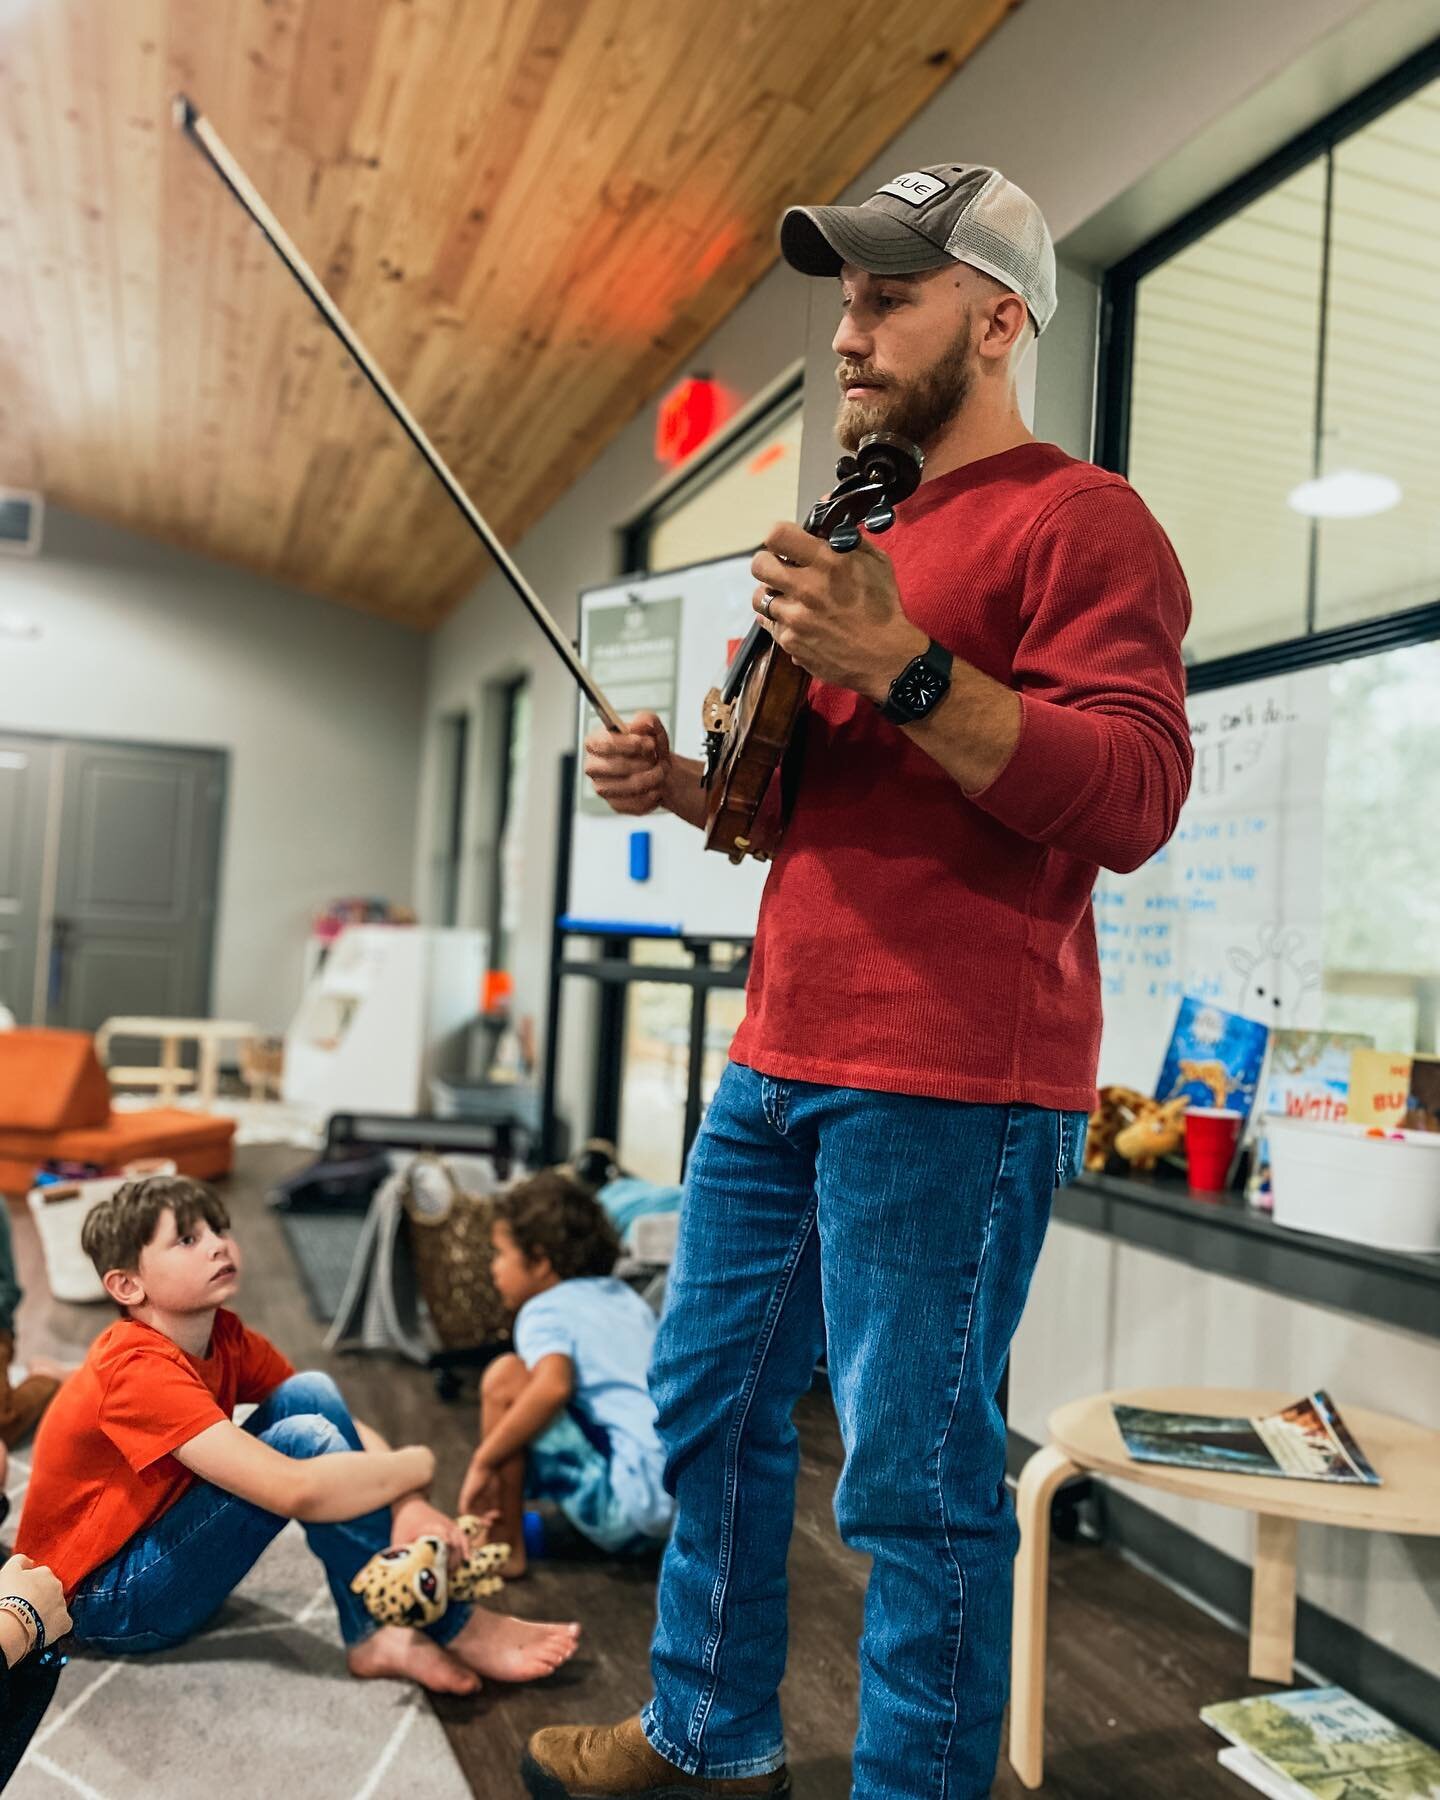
[532, 211]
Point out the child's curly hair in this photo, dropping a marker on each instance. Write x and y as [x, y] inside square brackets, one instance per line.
[551, 1214]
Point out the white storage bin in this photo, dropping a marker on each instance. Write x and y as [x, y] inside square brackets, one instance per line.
[68, 1269]
[1339, 1181]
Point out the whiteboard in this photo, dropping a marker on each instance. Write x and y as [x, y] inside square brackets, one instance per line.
[661, 642]
[1231, 909]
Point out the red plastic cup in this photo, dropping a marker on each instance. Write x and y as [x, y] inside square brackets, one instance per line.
[1211, 1134]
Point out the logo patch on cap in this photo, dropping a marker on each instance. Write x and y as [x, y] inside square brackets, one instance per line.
[916, 188]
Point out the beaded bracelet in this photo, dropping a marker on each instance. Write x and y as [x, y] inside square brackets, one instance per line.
[23, 1610]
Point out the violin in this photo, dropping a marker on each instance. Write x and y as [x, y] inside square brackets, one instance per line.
[750, 720]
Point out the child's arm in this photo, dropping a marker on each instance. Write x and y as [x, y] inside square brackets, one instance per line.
[413, 1515]
[316, 1490]
[551, 1383]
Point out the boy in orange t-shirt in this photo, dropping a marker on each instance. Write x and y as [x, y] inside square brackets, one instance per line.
[150, 1503]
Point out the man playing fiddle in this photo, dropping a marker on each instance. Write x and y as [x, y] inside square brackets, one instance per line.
[996, 712]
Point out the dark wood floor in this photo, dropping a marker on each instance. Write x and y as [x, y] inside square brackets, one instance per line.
[1130, 1662]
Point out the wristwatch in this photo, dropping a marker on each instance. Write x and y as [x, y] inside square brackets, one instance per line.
[920, 686]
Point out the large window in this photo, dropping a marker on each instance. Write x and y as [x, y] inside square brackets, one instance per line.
[1270, 383]
[1282, 358]
[510, 711]
[450, 803]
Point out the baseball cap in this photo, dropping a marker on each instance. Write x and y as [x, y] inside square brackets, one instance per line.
[947, 212]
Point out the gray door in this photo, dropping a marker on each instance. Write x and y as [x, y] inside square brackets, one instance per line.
[137, 868]
[25, 771]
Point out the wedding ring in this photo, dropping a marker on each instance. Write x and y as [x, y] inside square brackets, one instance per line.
[767, 598]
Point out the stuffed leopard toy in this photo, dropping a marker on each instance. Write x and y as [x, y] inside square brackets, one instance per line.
[412, 1584]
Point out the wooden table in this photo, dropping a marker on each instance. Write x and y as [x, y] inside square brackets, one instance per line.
[1086, 1440]
[168, 1077]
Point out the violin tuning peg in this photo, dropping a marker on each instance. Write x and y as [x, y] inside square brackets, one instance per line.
[846, 467]
[881, 519]
[844, 538]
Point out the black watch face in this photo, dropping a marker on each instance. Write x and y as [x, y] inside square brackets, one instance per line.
[918, 688]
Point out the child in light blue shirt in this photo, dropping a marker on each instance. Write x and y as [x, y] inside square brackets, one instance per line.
[569, 1416]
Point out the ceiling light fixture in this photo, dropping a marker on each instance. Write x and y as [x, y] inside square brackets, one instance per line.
[1345, 494]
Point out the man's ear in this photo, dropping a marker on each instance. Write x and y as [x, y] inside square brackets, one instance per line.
[124, 1286]
[1004, 327]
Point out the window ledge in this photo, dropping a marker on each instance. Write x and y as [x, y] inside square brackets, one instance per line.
[1225, 1237]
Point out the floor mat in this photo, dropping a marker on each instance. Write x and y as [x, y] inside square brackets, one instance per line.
[323, 1245]
[260, 1703]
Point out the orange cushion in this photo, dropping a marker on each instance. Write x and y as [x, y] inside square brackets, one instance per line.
[51, 1081]
[199, 1145]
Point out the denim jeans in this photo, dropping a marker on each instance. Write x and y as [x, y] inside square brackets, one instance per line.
[168, 1580]
[898, 1235]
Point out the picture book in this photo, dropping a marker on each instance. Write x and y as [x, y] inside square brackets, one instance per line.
[1308, 1441]
[1214, 1056]
[1306, 1076]
[1329, 1746]
[1397, 1091]
[1422, 1102]
[1265, 1780]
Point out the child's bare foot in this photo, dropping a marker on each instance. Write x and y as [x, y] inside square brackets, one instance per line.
[513, 1649]
[403, 1655]
[514, 1566]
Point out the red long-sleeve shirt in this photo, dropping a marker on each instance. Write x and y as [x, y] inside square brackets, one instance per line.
[919, 940]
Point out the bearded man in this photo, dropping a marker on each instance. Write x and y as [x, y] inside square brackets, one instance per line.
[996, 712]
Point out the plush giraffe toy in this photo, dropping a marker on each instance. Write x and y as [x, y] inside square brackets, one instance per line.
[412, 1584]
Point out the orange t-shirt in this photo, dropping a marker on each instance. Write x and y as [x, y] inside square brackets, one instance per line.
[102, 1469]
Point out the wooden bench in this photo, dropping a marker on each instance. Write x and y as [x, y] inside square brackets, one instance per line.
[169, 1076]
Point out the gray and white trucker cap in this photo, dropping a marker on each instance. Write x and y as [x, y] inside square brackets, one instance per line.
[948, 212]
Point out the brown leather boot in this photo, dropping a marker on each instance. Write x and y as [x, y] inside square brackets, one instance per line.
[21, 1407]
[589, 1762]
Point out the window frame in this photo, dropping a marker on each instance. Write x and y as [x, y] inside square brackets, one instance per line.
[712, 460]
[1119, 287]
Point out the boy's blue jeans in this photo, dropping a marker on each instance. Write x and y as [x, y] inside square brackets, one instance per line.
[898, 1235]
[167, 1581]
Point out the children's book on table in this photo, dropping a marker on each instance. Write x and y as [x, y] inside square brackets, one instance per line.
[1306, 1441]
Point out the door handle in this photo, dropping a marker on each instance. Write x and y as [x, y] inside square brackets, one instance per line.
[60, 930]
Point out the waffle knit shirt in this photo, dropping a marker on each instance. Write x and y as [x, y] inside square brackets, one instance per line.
[917, 939]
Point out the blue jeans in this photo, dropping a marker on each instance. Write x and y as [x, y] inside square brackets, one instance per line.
[899, 1236]
[167, 1581]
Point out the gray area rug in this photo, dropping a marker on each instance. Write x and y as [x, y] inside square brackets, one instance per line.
[323, 1245]
[259, 1706]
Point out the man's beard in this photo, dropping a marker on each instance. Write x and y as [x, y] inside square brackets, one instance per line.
[917, 410]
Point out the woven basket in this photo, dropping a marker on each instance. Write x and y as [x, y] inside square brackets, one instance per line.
[450, 1237]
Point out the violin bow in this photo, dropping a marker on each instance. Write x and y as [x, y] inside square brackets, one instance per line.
[206, 140]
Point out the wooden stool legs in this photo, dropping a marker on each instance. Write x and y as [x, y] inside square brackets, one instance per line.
[1272, 1601]
[1046, 1471]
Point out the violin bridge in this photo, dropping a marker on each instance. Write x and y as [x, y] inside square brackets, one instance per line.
[715, 715]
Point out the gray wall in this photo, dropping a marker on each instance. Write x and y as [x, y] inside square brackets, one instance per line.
[319, 707]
